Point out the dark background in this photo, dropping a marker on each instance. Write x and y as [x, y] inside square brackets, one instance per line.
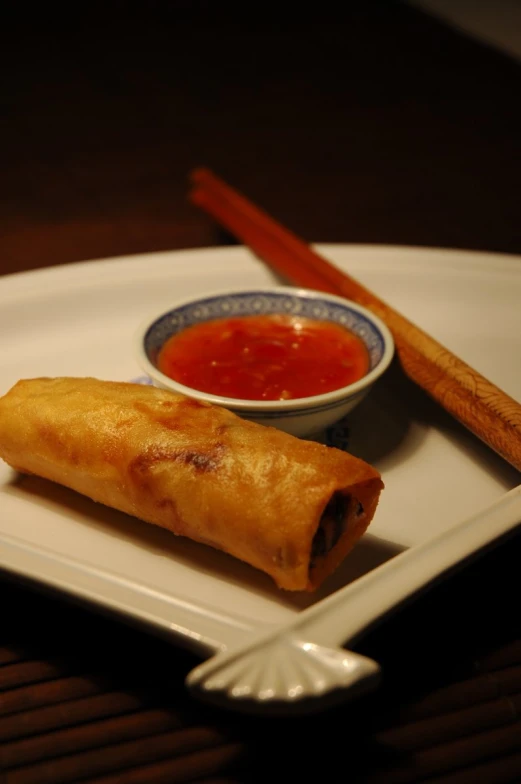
[372, 123]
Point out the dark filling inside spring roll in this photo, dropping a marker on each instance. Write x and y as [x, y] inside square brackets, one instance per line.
[333, 523]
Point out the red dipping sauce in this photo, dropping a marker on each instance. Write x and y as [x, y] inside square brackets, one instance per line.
[265, 357]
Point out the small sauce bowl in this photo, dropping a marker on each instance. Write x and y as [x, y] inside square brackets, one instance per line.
[302, 416]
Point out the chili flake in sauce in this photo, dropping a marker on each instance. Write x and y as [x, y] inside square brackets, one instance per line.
[265, 357]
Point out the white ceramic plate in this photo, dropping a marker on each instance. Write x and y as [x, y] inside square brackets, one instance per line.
[80, 319]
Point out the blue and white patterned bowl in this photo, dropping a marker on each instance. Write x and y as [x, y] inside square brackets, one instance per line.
[303, 416]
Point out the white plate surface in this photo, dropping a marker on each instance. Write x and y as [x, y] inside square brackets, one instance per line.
[80, 319]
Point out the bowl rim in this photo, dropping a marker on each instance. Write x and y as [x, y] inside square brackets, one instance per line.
[281, 406]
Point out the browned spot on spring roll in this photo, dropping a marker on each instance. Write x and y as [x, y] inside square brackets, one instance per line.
[289, 507]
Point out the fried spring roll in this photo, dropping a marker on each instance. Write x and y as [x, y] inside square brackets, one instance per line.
[289, 507]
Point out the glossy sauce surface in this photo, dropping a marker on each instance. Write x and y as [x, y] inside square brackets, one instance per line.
[265, 357]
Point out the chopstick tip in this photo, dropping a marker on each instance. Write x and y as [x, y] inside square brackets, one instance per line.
[199, 173]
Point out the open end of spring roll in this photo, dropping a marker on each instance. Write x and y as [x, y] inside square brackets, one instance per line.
[289, 507]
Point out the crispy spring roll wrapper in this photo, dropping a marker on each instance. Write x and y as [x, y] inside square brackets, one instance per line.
[289, 507]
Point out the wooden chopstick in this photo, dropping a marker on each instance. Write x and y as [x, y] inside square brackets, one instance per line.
[482, 407]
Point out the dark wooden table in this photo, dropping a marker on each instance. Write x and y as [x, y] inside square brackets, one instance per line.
[375, 124]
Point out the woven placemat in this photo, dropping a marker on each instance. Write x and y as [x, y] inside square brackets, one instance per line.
[85, 698]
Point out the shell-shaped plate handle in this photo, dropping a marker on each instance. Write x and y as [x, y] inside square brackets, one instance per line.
[283, 675]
